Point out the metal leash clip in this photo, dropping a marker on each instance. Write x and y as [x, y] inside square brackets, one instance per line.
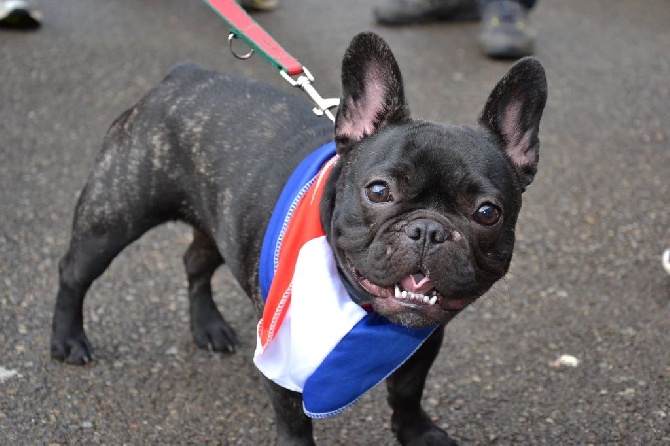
[304, 81]
[232, 37]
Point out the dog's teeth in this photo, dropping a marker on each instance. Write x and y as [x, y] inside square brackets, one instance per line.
[430, 298]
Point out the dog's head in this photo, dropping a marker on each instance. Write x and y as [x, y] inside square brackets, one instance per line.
[421, 215]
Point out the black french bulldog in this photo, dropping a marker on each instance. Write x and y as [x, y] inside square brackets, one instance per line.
[406, 198]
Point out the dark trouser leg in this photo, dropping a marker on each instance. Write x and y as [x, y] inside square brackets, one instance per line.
[528, 4]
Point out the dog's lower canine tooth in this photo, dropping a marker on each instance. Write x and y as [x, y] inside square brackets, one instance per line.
[432, 300]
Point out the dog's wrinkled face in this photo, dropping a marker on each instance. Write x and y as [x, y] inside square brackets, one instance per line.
[424, 222]
[421, 215]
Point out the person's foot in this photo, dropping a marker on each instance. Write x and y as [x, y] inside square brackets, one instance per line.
[259, 5]
[407, 12]
[18, 14]
[506, 32]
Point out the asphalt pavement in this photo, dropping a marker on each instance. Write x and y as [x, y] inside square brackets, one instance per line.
[586, 280]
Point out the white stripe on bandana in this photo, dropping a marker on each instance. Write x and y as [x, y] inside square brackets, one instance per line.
[320, 315]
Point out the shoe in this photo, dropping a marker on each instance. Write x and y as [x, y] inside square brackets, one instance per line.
[18, 14]
[259, 5]
[506, 32]
[408, 12]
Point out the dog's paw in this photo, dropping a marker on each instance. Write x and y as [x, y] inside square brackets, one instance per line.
[72, 348]
[434, 437]
[419, 430]
[213, 332]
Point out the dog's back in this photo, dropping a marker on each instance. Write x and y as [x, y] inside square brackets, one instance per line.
[193, 149]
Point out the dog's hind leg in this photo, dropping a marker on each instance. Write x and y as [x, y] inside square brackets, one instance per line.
[125, 196]
[98, 236]
[209, 328]
[410, 422]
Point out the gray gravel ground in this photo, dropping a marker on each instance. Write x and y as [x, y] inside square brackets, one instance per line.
[586, 280]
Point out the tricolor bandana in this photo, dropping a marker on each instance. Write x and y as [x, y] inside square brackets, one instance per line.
[313, 338]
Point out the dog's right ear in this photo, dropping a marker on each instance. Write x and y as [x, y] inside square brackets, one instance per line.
[372, 91]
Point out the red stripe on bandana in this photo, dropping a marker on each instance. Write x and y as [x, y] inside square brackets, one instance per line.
[304, 225]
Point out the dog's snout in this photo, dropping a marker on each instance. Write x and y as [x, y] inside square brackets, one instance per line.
[426, 231]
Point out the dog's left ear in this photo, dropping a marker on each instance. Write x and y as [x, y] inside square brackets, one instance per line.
[513, 112]
[372, 91]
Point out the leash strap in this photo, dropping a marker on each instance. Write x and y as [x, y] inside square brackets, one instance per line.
[247, 30]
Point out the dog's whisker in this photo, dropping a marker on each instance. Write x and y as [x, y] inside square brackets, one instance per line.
[499, 296]
[518, 276]
[504, 292]
[508, 289]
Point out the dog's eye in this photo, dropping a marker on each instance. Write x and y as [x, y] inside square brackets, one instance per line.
[378, 192]
[488, 214]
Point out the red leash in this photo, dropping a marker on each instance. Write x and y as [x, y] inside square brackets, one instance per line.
[246, 29]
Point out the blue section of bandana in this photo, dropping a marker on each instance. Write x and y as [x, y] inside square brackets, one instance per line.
[366, 356]
[296, 186]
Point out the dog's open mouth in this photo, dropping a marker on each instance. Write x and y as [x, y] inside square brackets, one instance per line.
[415, 290]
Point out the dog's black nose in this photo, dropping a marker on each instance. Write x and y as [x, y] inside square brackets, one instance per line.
[424, 230]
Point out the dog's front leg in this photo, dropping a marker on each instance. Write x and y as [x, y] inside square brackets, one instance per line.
[294, 428]
[405, 386]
